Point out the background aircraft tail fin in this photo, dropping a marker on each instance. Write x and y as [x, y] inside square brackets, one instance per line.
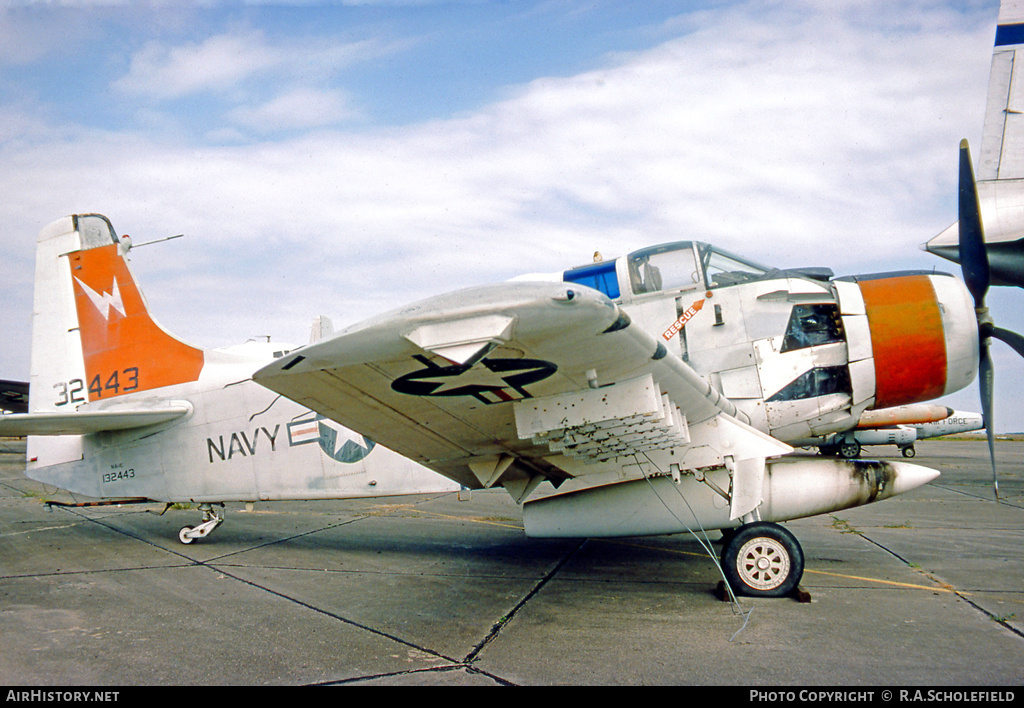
[1002, 145]
[1000, 169]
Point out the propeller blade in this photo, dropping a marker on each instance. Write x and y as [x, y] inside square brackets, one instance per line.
[986, 381]
[1011, 338]
[973, 257]
[974, 264]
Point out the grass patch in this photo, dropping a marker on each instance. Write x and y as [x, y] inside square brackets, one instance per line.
[843, 526]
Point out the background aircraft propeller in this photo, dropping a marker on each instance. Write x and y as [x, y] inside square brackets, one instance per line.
[974, 263]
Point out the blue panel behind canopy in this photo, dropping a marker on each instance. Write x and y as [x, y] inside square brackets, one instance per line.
[600, 276]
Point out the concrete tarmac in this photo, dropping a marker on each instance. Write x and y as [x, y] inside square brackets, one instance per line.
[926, 589]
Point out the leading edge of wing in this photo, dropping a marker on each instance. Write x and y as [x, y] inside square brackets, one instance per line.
[86, 422]
[461, 328]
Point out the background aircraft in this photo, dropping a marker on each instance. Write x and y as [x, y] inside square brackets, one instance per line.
[659, 391]
[901, 426]
[1000, 173]
[14, 396]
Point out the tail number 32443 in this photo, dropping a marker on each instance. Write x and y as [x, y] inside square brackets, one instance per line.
[118, 382]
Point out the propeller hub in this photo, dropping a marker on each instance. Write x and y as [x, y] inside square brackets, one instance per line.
[985, 322]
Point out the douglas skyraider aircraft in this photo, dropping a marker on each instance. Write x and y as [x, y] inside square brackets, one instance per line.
[657, 392]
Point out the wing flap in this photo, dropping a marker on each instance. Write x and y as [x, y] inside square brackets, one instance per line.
[601, 424]
[347, 394]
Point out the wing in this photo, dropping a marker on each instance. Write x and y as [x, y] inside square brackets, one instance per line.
[85, 422]
[517, 383]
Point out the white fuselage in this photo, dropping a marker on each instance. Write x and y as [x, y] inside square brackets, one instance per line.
[241, 442]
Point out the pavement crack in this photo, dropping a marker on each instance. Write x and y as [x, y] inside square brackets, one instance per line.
[355, 680]
[946, 586]
[498, 626]
[345, 620]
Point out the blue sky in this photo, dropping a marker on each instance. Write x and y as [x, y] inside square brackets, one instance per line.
[371, 64]
[335, 159]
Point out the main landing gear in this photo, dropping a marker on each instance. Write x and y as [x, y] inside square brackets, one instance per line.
[848, 449]
[212, 518]
[762, 559]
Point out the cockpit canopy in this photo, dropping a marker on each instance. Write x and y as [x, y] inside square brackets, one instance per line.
[687, 264]
[678, 266]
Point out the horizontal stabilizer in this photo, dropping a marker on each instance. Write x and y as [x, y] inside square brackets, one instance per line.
[85, 422]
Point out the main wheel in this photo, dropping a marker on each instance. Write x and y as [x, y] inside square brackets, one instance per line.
[763, 560]
[908, 451]
[849, 449]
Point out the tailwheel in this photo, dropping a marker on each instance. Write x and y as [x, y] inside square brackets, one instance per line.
[183, 535]
[212, 518]
[763, 560]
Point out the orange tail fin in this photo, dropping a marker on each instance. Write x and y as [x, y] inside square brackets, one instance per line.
[123, 348]
[93, 337]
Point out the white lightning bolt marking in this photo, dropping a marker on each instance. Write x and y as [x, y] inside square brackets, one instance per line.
[105, 301]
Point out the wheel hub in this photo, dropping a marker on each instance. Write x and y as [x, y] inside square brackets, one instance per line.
[763, 563]
[762, 559]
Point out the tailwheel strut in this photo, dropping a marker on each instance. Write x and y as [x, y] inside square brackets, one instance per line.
[762, 559]
[212, 518]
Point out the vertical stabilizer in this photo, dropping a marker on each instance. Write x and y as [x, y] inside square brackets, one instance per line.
[93, 338]
[124, 349]
[1002, 142]
[92, 335]
[1000, 169]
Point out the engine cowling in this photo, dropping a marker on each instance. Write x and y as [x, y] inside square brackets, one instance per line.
[923, 336]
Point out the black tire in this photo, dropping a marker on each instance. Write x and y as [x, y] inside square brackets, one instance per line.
[727, 535]
[763, 560]
[908, 451]
[849, 449]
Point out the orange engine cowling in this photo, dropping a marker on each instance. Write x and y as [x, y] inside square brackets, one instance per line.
[923, 332]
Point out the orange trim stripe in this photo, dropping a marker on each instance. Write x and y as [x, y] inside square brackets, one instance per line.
[908, 339]
[124, 349]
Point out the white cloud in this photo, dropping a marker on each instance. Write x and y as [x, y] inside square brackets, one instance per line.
[228, 62]
[220, 62]
[300, 109]
[761, 137]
